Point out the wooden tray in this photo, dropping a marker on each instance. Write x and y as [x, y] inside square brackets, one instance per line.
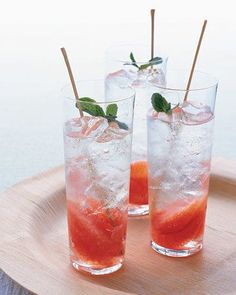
[34, 249]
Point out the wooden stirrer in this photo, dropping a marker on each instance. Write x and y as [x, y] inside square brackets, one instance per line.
[195, 60]
[72, 80]
[152, 32]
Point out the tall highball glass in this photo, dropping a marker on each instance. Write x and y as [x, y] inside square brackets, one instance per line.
[179, 160]
[129, 64]
[97, 169]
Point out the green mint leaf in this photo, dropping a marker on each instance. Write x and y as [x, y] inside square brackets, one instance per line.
[133, 61]
[122, 125]
[87, 99]
[160, 104]
[131, 56]
[111, 110]
[135, 65]
[155, 60]
[131, 64]
[88, 105]
[144, 66]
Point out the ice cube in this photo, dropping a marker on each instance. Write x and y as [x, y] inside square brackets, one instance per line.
[196, 113]
[174, 116]
[77, 176]
[95, 190]
[86, 127]
[98, 164]
[120, 78]
[140, 79]
[127, 77]
[157, 77]
[113, 132]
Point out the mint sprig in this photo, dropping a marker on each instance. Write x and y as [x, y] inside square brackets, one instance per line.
[133, 61]
[111, 112]
[154, 61]
[90, 106]
[160, 104]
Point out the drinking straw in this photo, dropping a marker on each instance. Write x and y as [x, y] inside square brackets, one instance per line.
[72, 80]
[152, 32]
[195, 60]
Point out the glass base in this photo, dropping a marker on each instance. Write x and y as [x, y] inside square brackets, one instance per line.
[176, 253]
[138, 210]
[95, 270]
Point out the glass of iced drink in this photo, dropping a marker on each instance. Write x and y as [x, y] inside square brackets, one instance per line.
[130, 64]
[97, 169]
[180, 135]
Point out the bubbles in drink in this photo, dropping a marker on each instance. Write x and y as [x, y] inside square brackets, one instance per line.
[131, 76]
[95, 151]
[180, 151]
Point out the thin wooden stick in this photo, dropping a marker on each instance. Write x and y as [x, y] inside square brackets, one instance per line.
[72, 79]
[152, 31]
[195, 60]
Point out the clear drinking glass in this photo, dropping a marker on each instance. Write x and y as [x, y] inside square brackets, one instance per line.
[179, 159]
[121, 70]
[97, 170]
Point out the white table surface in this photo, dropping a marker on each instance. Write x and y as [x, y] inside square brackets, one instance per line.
[32, 70]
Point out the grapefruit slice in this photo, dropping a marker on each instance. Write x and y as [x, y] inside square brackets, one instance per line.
[138, 193]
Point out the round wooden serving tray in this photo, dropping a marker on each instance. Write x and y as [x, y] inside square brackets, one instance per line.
[34, 248]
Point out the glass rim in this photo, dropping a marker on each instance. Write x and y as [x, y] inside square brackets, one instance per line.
[213, 84]
[102, 102]
[138, 45]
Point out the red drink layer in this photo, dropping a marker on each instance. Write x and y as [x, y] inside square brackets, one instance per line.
[138, 193]
[97, 234]
[178, 224]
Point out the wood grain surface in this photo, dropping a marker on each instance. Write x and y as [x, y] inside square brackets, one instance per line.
[34, 247]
